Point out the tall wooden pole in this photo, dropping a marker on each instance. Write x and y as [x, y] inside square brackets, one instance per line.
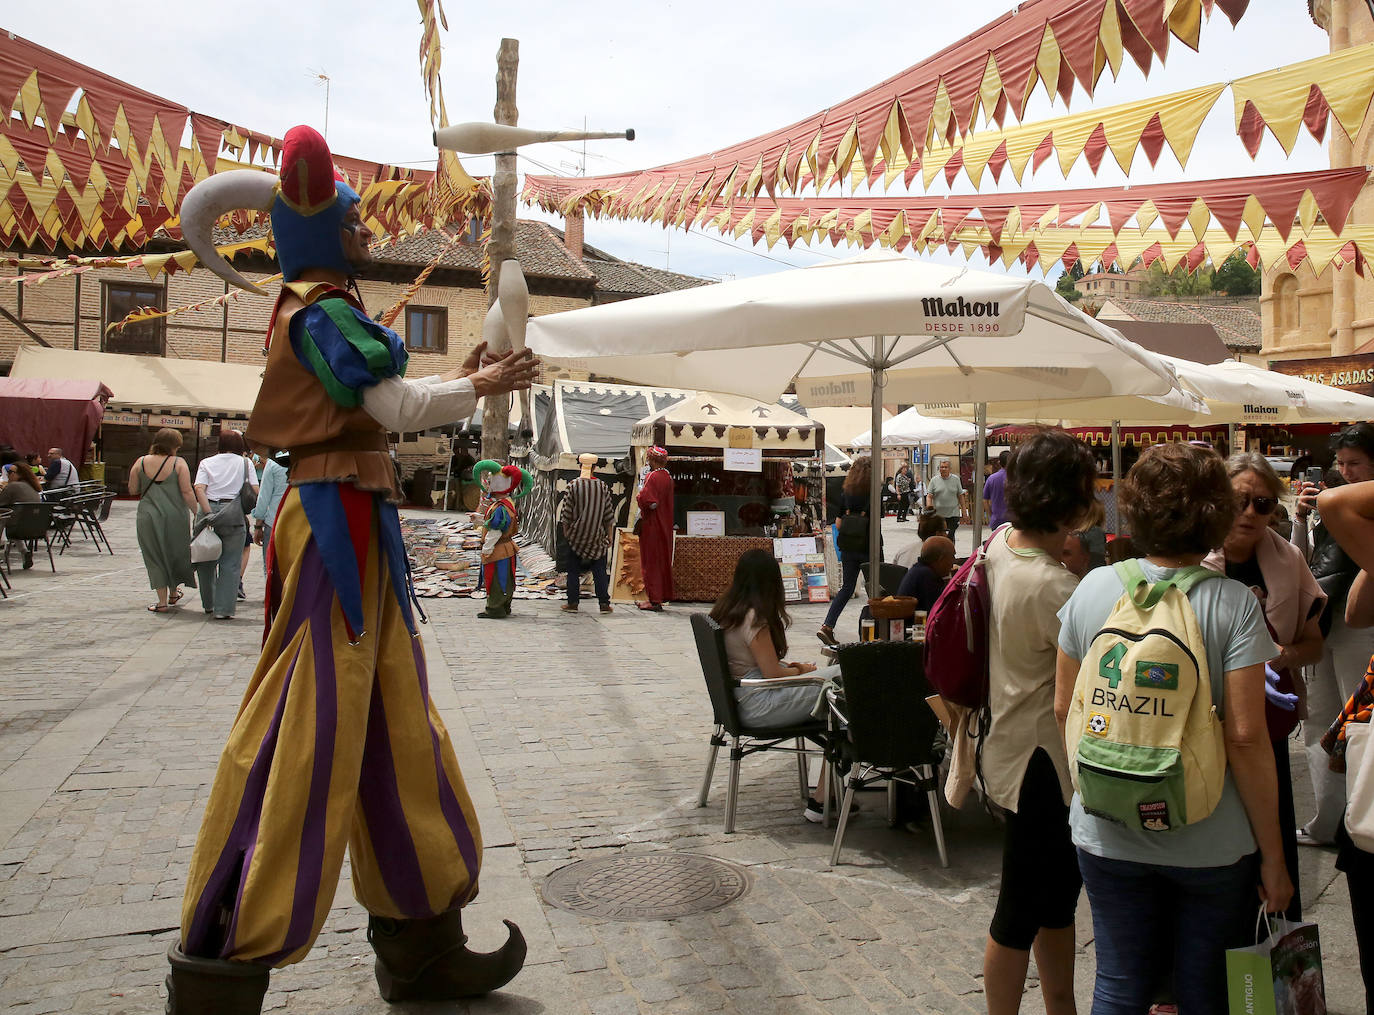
[501, 245]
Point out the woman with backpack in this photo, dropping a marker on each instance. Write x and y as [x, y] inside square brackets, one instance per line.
[753, 615]
[1049, 491]
[1274, 570]
[851, 543]
[1170, 863]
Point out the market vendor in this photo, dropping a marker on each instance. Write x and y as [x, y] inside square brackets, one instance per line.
[656, 531]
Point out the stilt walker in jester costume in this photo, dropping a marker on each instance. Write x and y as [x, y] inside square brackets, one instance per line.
[504, 484]
[337, 743]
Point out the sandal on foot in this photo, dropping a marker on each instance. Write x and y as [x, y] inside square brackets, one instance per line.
[650, 607]
[173, 600]
[159, 608]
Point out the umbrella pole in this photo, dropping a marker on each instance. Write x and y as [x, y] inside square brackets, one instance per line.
[1116, 470]
[980, 459]
[875, 479]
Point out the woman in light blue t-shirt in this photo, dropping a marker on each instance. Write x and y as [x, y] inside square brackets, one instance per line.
[1174, 901]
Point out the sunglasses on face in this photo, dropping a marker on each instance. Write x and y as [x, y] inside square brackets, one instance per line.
[1262, 505]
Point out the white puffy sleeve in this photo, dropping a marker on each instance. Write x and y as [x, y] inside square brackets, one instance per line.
[405, 406]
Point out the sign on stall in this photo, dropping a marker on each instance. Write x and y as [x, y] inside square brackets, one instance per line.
[803, 570]
[151, 420]
[743, 460]
[705, 523]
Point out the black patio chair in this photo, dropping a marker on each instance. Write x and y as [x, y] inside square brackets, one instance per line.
[889, 577]
[892, 735]
[4, 553]
[85, 510]
[30, 524]
[744, 740]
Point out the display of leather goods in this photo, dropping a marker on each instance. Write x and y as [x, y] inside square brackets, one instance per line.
[445, 556]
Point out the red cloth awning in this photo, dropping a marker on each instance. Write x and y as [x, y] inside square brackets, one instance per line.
[37, 413]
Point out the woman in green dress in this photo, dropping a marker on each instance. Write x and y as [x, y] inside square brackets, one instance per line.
[162, 483]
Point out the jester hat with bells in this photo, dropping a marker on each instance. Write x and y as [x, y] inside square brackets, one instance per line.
[505, 480]
[308, 203]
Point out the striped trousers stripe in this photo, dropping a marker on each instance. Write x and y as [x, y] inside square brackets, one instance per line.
[335, 746]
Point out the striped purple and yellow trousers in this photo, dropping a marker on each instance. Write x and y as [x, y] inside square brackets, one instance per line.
[335, 744]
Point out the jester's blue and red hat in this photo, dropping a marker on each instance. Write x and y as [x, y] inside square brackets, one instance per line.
[312, 202]
[308, 204]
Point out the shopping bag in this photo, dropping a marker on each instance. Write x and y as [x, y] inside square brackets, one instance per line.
[206, 546]
[1282, 975]
[1359, 785]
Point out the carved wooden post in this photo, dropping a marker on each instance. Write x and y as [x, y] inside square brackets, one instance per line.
[501, 246]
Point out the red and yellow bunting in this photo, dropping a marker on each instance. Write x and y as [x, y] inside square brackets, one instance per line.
[1310, 95]
[93, 162]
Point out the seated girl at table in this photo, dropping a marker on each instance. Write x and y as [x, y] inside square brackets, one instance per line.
[753, 615]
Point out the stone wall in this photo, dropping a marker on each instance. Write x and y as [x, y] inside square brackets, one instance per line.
[1332, 314]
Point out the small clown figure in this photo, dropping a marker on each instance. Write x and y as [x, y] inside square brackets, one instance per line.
[504, 484]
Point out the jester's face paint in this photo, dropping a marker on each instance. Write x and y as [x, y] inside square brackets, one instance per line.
[355, 238]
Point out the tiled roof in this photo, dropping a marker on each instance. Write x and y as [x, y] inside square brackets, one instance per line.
[613, 276]
[540, 252]
[1236, 321]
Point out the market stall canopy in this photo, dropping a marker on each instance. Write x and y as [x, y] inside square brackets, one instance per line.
[151, 383]
[909, 428]
[593, 418]
[709, 421]
[38, 413]
[946, 333]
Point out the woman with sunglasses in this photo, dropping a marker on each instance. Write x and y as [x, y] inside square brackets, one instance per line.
[1347, 650]
[1275, 571]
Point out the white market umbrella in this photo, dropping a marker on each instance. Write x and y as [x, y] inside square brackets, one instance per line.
[1238, 392]
[909, 427]
[853, 332]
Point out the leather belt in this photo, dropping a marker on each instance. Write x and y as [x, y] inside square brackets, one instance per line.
[359, 440]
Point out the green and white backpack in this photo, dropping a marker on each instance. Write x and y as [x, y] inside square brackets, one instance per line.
[1145, 744]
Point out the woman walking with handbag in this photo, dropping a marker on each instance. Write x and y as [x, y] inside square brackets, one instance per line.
[161, 481]
[223, 482]
[851, 543]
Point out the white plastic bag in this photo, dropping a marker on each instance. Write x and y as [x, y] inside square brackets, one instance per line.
[1359, 785]
[206, 547]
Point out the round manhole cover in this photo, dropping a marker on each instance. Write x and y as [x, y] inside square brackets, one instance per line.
[655, 886]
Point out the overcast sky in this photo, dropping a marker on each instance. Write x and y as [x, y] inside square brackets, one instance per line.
[689, 77]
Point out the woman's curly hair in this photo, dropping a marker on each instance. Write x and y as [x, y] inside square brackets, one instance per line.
[1177, 500]
[1050, 482]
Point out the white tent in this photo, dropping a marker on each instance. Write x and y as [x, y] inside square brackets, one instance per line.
[854, 331]
[909, 428]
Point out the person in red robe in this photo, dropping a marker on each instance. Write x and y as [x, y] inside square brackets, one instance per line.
[656, 531]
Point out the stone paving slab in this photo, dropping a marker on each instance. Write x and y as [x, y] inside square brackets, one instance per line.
[589, 741]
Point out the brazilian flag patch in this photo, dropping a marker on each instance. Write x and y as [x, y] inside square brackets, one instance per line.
[1157, 676]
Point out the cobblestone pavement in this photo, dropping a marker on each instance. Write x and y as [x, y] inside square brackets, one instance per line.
[590, 740]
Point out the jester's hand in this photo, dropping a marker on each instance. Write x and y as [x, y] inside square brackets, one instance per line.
[504, 372]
